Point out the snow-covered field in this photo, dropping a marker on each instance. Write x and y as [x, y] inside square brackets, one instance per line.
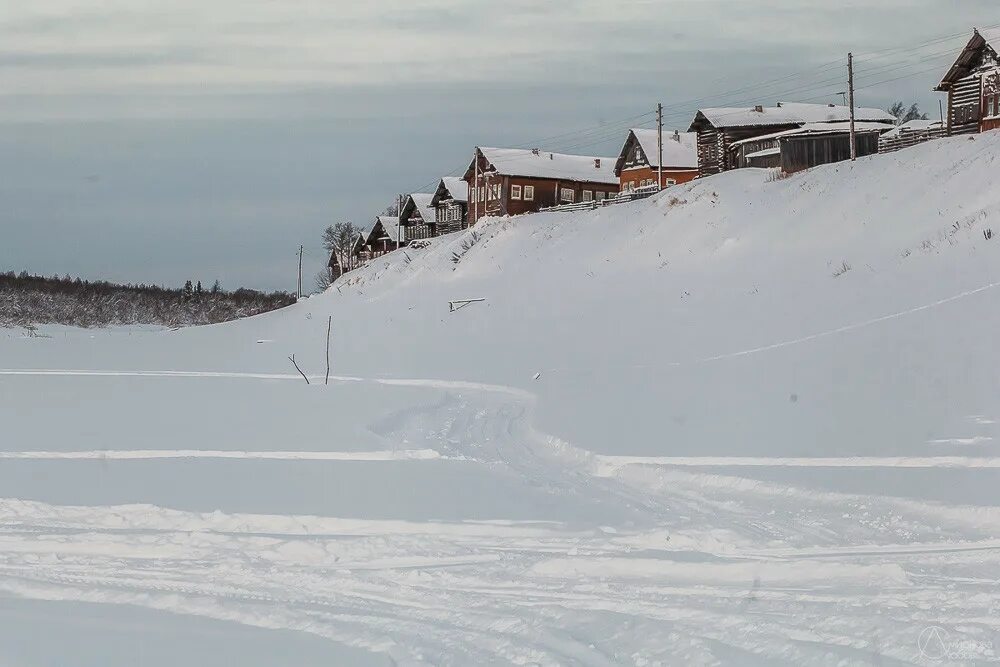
[749, 421]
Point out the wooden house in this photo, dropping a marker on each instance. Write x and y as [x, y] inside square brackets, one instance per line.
[416, 217]
[719, 128]
[385, 235]
[638, 163]
[512, 181]
[451, 205]
[808, 146]
[973, 86]
[360, 250]
[335, 266]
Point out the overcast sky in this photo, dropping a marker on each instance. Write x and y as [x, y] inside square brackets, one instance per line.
[161, 140]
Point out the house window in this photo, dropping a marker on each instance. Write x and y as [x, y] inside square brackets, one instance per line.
[482, 193]
[567, 195]
[600, 196]
[515, 192]
[529, 193]
[588, 195]
[671, 181]
[991, 108]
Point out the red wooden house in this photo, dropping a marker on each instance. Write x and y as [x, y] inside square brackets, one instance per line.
[638, 163]
[511, 181]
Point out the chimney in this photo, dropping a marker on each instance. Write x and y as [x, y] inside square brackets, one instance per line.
[677, 136]
[778, 105]
[831, 105]
[551, 156]
[534, 151]
[759, 108]
[597, 163]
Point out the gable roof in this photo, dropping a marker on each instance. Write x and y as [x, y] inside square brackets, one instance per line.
[787, 113]
[386, 226]
[451, 187]
[680, 149]
[545, 164]
[419, 202]
[970, 56]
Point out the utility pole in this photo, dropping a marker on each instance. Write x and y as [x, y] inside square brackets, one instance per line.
[475, 186]
[399, 220]
[850, 88]
[659, 145]
[300, 272]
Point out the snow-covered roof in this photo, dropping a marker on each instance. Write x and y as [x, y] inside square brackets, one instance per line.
[817, 128]
[789, 113]
[456, 187]
[546, 164]
[679, 150]
[969, 56]
[764, 153]
[422, 202]
[912, 126]
[390, 227]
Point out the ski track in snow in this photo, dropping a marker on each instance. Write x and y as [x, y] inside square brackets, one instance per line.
[708, 561]
[708, 565]
[138, 454]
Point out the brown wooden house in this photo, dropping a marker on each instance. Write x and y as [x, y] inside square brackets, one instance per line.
[638, 162]
[451, 205]
[512, 181]
[385, 235]
[416, 217]
[973, 86]
[719, 128]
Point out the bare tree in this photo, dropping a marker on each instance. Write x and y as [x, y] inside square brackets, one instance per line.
[339, 239]
[904, 114]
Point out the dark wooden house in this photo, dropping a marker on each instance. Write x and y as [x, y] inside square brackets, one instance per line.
[719, 128]
[451, 205]
[808, 146]
[973, 86]
[512, 181]
[385, 235]
[638, 163]
[416, 217]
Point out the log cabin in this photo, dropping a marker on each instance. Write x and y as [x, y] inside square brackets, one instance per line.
[973, 86]
[719, 128]
[451, 205]
[638, 163]
[384, 236]
[512, 181]
[416, 217]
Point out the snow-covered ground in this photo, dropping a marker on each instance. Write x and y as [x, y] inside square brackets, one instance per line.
[748, 421]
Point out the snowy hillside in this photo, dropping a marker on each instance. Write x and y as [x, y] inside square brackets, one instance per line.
[748, 421]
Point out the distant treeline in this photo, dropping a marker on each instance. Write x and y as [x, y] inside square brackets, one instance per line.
[27, 300]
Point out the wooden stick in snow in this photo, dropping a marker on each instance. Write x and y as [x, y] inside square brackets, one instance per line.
[329, 325]
[292, 359]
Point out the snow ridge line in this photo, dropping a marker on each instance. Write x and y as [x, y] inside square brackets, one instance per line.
[456, 385]
[125, 454]
[811, 337]
[609, 464]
